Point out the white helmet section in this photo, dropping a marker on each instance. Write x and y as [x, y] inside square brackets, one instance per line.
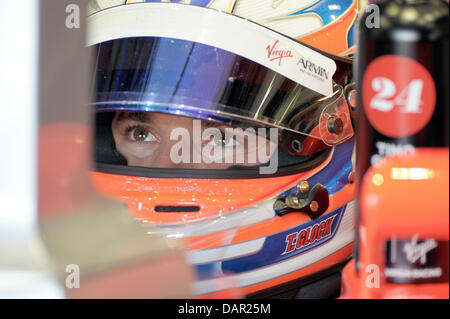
[261, 45]
[276, 15]
[221, 5]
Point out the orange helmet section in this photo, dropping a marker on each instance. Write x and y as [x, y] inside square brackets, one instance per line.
[333, 38]
[403, 197]
[211, 197]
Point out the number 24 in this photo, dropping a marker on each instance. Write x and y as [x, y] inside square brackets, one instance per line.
[409, 97]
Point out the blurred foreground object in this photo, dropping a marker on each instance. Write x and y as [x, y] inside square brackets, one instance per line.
[54, 226]
[404, 229]
[403, 77]
[401, 247]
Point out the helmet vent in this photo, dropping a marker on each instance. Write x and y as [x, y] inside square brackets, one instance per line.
[177, 209]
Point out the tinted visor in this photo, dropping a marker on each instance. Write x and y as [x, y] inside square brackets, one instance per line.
[192, 79]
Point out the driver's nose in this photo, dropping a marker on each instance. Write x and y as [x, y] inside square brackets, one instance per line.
[173, 154]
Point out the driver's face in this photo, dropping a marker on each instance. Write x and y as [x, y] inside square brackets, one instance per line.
[144, 139]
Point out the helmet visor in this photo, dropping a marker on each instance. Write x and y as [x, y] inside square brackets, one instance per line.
[186, 78]
[263, 81]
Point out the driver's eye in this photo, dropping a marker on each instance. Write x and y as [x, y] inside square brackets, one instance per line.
[224, 141]
[140, 134]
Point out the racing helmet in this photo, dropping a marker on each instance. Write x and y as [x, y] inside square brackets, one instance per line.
[230, 136]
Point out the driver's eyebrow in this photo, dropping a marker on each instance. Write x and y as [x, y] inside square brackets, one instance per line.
[143, 117]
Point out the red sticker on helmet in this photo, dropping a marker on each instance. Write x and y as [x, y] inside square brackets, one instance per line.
[399, 95]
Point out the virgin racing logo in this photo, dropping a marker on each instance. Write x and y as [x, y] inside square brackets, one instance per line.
[415, 251]
[274, 54]
[306, 238]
